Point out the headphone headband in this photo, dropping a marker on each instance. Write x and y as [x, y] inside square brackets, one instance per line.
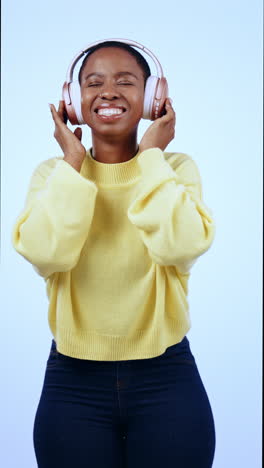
[156, 87]
[69, 75]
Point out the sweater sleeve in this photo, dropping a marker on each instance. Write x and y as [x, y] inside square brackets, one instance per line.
[173, 221]
[51, 230]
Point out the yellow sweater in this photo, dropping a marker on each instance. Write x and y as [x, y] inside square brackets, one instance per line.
[115, 244]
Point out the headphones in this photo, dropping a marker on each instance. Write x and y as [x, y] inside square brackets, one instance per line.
[156, 89]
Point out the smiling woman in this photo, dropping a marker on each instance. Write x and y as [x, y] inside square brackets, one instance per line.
[111, 78]
[114, 232]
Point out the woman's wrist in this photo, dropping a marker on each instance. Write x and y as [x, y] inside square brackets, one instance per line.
[74, 161]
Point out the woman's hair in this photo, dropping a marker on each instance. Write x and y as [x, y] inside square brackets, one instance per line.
[121, 45]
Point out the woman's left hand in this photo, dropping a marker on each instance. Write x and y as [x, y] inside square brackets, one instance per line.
[161, 132]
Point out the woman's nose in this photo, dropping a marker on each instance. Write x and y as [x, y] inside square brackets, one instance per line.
[108, 95]
[109, 92]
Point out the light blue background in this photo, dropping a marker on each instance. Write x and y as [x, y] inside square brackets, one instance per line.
[211, 53]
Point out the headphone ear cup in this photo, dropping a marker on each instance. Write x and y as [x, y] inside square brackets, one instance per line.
[72, 98]
[150, 91]
[161, 94]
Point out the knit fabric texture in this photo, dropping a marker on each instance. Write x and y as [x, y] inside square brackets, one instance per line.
[115, 244]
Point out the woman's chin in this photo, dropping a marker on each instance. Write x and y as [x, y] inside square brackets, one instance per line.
[115, 129]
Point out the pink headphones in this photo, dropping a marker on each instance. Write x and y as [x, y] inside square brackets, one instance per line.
[156, 90]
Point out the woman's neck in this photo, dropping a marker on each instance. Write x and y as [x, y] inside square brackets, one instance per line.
[112, 152]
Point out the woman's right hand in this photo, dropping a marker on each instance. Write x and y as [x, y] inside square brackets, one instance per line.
[70, 142]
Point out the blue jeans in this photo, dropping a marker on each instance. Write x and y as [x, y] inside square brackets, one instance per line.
[146, 413]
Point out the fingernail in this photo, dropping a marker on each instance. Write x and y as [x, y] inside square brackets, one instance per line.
[171, 101]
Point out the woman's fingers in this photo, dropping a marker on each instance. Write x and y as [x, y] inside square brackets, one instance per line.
[170, 114]
[60, 128]
[59, 116]
[70, 142]
[52, 110]
[55, 114]
[62, 112]
[78, 133]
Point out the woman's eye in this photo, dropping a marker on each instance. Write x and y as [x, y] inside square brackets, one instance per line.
[94, 84]
[124, 83]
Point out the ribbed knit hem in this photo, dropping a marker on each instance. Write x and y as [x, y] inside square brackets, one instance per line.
[142, 345]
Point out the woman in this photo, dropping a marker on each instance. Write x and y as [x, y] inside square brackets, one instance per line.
[114, 231]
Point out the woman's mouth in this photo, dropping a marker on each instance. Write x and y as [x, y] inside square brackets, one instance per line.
[110, 113]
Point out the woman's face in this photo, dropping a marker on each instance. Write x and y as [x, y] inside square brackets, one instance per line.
[112, 91]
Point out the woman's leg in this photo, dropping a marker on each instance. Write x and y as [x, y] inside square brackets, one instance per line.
[75, 424]
[169, 418]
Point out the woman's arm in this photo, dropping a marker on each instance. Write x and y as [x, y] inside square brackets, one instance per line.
[52, 229]
[173, 221]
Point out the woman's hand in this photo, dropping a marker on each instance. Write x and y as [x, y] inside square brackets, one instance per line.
[70, 142]
[161, 132]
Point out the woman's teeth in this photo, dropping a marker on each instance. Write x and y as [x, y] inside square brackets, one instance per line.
[109, 111]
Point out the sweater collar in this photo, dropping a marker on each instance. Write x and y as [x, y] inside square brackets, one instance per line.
[113, 174]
